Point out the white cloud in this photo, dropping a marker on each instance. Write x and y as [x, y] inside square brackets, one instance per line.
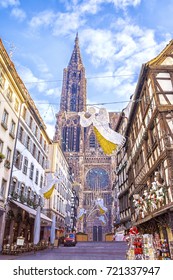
[56, 92]
[93, 6]
[75, 17]
[120, 54]
[60, 23]
[115, 48]
[30, 80]
[67, 22]
[124, 3]
[99, 45]
[18, 13]
[45, 18]
[7, 3]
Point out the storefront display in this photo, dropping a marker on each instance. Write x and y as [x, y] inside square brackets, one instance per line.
[149, 251]
[141, 247]
[147, 247]
[135, 251]
[165, 254]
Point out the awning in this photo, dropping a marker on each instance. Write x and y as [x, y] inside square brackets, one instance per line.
[31, 211]
[44, 217]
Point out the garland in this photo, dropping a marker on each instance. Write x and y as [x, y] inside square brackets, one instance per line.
[150, 200]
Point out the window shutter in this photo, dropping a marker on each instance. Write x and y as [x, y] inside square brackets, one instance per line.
[21, 159]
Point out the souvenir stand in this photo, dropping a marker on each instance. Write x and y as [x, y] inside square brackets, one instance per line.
[165, 252]
[141, 247]
[149, 251]
[162, 247]
[135, 251]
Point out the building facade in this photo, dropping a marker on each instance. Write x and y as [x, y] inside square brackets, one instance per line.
[92, 169]
[28, 174]
[10, 102]
[24, 143]
[149, 149]
[59, 203]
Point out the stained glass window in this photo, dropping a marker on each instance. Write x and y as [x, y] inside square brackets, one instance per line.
[97, 178]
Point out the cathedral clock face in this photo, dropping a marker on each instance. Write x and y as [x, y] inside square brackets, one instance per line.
[97, 178]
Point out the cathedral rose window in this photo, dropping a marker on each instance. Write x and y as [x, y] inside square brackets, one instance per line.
[97, 178]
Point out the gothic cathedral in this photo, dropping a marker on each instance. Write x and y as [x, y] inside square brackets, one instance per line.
[92, 170]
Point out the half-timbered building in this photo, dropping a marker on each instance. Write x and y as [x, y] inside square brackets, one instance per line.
[149, 147]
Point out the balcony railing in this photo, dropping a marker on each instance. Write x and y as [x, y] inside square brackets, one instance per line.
[25, 200]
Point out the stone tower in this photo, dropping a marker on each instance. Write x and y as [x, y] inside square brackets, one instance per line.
[92, 169]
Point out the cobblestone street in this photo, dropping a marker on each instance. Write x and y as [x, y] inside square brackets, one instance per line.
[82, 251]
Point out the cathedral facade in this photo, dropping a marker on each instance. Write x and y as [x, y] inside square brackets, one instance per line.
[92, 170]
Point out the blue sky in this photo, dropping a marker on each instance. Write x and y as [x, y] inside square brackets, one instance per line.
[116, 37]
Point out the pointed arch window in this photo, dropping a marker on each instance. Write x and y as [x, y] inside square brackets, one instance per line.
[73, 98]
[64, 136]
[70, 138]
[92, 141]
[78, 139]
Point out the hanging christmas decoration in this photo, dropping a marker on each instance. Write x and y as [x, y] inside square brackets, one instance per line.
[108, 139]
[81, 213]
[52, 181]
[133, 230]
[150, 200]
[99, 202]
[98, 206]
[140, 205]
[102, 219]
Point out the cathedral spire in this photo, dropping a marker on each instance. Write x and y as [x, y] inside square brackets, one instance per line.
[77, 39]
[73, 96]
[76, 56]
